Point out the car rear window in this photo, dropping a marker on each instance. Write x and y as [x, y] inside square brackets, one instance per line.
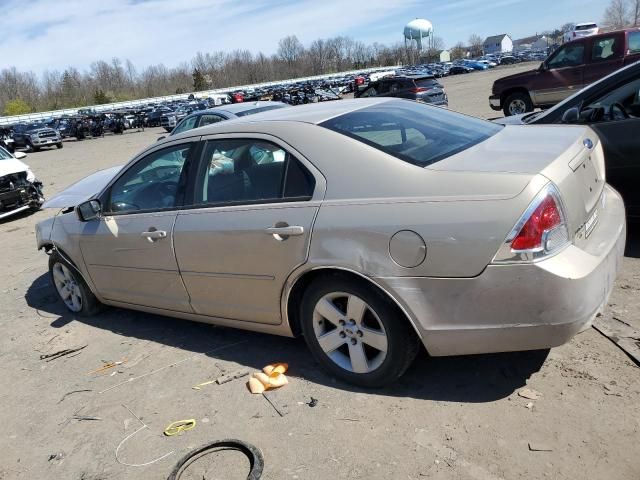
[411, 131]
[258, 110]
[587, 26]
[427, 83]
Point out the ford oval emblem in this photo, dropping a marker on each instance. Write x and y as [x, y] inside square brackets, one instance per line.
[588, 143]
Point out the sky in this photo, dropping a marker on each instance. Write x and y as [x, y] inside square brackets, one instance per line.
[40, 35]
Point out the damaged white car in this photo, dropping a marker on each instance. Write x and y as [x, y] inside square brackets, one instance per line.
[19, 188]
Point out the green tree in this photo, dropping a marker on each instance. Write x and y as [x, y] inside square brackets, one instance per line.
[17, 107]
[100, 97]
[199, 82]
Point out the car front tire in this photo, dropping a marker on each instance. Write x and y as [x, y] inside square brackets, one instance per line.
[356, 333]
[59, 145]
[517, 103]
[71, 288]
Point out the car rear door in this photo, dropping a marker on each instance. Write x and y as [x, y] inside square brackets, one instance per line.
[561, 76]
[604, 56]
[254, 202]
[128, 251]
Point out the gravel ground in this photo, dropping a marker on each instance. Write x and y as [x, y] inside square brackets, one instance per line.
[448, 418]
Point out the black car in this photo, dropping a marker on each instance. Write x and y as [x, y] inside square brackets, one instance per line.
[34, 136]
[424, 88]
[611, 107]
[459, 69]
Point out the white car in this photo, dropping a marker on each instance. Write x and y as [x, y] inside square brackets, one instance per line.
[581, 30]
[19, 188]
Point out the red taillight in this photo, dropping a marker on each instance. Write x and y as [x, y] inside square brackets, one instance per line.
[359, 81]
[418, 89]
[543, 219]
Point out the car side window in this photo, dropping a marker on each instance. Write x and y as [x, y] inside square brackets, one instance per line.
[153, 183]
[250, 171]
[186, 124]
[571, 55]
[605, 49]
[634, 42]
[370, 92]
[209, 119]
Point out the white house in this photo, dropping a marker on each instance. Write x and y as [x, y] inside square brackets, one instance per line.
[445, 56]
[498, 44]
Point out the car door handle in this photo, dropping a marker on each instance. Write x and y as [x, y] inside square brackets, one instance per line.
[281, 233]
[153, 235]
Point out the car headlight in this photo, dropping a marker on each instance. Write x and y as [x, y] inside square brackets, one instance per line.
[30, 176]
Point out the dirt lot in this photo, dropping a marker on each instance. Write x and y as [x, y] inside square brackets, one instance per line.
[448, 418]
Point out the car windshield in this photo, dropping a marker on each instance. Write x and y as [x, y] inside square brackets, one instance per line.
[4, 155]
[411, 131]
[259, 109]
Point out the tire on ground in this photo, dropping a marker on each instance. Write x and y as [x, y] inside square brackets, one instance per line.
[514, 97]
[403, 343]
[90, 304]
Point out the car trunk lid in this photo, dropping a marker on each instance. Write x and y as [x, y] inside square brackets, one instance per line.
[569, 156]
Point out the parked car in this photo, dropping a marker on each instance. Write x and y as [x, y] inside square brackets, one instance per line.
[201, 118]
[581, 30]
[20, 190]
[611, 107]
[370, 226]
[509, 60]
[476, 65]
[567, 70]
[423, 88]
[35, 136]
[459, 69]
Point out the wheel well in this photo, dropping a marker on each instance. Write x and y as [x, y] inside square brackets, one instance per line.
[296, 294]
[506, 93]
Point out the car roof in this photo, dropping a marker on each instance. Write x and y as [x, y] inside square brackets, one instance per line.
[236, 108]
[313, 113]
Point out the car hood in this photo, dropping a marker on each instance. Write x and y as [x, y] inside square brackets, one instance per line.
[82, 190]
[515, 76]
[512, 120]
[12, 165]
[520, 149]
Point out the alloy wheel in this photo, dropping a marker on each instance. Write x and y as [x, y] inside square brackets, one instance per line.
[350, 332]
[517, 107]
[67, 287]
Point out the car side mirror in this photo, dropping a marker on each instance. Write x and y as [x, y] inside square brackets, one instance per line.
[20, 155]
[89, 210]
[161, 138]
[572, 115]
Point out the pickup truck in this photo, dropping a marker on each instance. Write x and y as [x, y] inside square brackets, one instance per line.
[571, 67]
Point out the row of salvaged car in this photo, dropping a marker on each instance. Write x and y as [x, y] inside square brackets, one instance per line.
[373, 227]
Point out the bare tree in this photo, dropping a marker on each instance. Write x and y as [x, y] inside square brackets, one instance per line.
[458, 51]
[476, 44]
[616, 14]
[634, 12]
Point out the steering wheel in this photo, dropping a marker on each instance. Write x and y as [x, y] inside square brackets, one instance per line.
[168, 189]
[617, 112]
[124, 207]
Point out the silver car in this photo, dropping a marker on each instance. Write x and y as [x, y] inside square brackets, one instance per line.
[371, 227]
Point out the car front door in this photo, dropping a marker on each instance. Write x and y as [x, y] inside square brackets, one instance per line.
[605, 55]
[254, 203]
[619, 131]
[561, 75]
[128, 251]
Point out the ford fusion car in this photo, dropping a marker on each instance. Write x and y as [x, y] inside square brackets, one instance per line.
[370, 226]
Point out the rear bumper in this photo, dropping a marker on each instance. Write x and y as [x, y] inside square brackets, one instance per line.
[495, 103]
[519, 306]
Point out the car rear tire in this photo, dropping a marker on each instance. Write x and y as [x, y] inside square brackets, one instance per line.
[517, 103]
[356, 333]
[71, 288]
[59, 145]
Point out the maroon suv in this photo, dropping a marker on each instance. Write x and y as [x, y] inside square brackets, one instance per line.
[571, 67]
